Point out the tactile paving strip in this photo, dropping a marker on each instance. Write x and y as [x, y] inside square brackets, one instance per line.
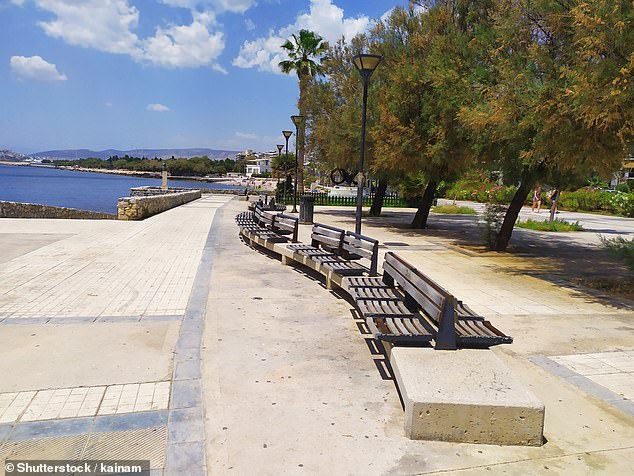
[62, 448]
[146, 444]
[129, 445]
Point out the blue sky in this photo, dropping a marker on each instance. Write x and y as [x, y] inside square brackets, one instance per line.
[156, 73]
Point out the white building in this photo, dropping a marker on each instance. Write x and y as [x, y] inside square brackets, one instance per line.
[260, 165]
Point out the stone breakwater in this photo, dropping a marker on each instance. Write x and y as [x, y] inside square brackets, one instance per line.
[32, 210]
[138, 208]
[152, 190]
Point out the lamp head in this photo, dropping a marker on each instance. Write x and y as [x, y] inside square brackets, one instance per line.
[366, 64]
[280, 147]
[287, 134]
[298, 120]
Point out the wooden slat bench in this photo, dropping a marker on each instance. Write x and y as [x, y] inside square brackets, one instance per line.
[325, 240]
[454, 324]
[268, 226]
[336, 251]
[386, 312]
[353, 247]
[286, 225]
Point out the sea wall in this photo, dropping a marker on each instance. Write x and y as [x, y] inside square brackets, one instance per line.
[140, 207]
[152, 190]
[31, 210]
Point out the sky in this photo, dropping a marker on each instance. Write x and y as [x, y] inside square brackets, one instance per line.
[129, 74]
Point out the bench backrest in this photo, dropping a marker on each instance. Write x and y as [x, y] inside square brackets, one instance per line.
[263, 217]
[435, 301]
[287, 224]
[356, 246]
[327, 237]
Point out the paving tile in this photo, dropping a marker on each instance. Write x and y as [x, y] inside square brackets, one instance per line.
[184, 457]
[186, 425]
[186, 393]
[51, 428]
[131, 421]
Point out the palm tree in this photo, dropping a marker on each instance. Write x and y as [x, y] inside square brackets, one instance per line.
[302, 52]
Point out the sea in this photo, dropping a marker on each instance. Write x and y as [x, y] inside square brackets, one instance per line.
[74, 189]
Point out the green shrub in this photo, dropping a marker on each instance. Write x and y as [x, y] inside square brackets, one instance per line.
[555, 225]
[451, 209]
[623, 188]
[621, 249]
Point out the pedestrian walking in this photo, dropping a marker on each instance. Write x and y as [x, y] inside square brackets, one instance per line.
[554, 196]
[537, 199]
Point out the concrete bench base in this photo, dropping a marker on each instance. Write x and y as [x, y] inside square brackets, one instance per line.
[466, 396]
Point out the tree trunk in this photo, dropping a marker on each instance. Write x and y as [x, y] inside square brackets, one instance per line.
[377, 201]
[504, 235]
[420, 219]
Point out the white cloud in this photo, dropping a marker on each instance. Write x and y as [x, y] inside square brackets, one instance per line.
[324, 18]
[185, 46]
[156, 107]
[101, 24]
[246, 135]
[34, 67]
[249, 24]
[108, 25]
[236, 6]
[107, 104]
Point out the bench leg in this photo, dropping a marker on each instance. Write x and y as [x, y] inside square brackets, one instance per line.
[329, 283]
[286, 261]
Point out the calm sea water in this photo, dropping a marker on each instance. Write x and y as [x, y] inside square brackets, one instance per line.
[83, 190]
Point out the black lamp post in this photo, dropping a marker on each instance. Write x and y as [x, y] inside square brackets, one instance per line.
[299, 122]
[287, 135]
[365, 64]
[279, 155]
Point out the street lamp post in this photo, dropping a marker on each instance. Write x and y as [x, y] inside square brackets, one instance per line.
[299, 122]
[279, 155]
[287, 135]
[365, 64]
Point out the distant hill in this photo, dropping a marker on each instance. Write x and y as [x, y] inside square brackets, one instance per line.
[73, 154]
[11, 156]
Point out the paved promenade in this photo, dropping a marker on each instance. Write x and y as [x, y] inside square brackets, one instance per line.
[266, 371]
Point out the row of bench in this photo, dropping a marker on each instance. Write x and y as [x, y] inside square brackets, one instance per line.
[402, 306]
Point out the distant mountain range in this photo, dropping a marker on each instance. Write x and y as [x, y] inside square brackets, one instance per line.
[11, 156]
[72, 154]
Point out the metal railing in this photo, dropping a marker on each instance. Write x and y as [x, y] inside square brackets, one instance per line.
[322, 198]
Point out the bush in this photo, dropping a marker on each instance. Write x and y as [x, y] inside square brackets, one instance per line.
[623, 188]
[621, 249]
[479, 188]
[622, 203]
[555, 225]
[451, 209]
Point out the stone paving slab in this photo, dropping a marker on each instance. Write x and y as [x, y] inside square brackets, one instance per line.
[52, 404]
[135, 269]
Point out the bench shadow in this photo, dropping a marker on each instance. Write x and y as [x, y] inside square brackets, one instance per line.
[377, 350]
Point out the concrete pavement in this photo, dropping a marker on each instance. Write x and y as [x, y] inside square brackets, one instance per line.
[268, 371]
[291, 383]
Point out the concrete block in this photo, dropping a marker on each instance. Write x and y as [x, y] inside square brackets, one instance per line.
[466, 396]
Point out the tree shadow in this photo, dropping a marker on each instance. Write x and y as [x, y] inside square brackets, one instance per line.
[568, 260]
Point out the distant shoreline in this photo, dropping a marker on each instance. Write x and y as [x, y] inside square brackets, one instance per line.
[132, 173]
[253, 184]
